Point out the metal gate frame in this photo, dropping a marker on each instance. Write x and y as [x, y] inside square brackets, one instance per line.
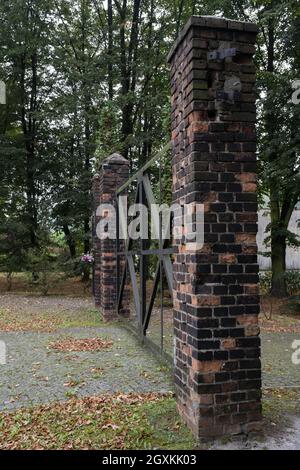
[144, 195]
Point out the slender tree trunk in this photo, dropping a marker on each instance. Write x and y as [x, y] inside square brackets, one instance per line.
[128, 71]
[29, 133]
[70, 241]
[86, 240]
[278, 254]
[110, 49]
[278, 246]
[87, 130]
[179, 17]
[278, 242]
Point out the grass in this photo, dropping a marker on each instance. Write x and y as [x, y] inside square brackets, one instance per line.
[279, 315]
[45, 320]
[72, 286]
[122, 422]
[26, 310]
[147, 421]
[278, 403]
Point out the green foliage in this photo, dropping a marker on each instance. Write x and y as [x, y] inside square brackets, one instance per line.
[292, 279]
[265, 282]
[293, 282]
[43, 267]
[85, 79]
[294, 304]
[14, 244]
[109, 131]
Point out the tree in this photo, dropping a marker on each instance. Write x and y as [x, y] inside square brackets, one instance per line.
[279, 137]
[278, 65]
[25, 32]
[86, 78]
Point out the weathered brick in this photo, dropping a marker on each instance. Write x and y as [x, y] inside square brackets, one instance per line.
[214, 163]
[228, 343]
[113, 172]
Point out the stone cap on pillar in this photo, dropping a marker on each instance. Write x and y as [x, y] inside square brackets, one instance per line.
[212, 22]
[115, 158]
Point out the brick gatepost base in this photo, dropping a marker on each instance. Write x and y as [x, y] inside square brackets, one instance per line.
[216, 301]
[113, 173]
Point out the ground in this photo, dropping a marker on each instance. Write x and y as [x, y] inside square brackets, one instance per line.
[36, 373]
[72, 381]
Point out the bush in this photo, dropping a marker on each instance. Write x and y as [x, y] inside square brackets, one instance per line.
[13, 248]
[265, 282]
[292, 281]
[43, 269]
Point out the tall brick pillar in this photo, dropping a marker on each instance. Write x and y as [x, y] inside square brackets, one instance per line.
[96, 241]
[113, 173]
[216, 302]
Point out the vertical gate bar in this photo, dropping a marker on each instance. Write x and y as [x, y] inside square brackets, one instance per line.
[126, 247]
[161, 264]
[117, 253]
[93, 236]
[143, 260]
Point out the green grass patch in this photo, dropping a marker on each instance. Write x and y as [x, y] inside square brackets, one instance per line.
[280, 402]
[145, 421]
[45, 320]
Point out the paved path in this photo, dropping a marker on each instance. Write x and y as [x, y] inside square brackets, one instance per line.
[278, 368]
[36, 374]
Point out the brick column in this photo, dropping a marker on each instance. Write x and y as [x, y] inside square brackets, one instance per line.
[113, 173]
[216, 302]
[96, 241]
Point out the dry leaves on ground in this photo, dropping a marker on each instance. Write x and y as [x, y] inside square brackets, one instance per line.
[34, 323]
[104, 422]
[84, 344]
[46, 314]
[280, 324]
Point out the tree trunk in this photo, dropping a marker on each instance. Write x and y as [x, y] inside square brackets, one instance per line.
[86, 241]
[70, 241]
[179, 17]
[28, 122]
[279, 288]
[110, 50]
[128, 71]
[278, 242]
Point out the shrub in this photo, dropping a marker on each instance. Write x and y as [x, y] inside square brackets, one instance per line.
[43, 269]
[265, 282]
[292, 282]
